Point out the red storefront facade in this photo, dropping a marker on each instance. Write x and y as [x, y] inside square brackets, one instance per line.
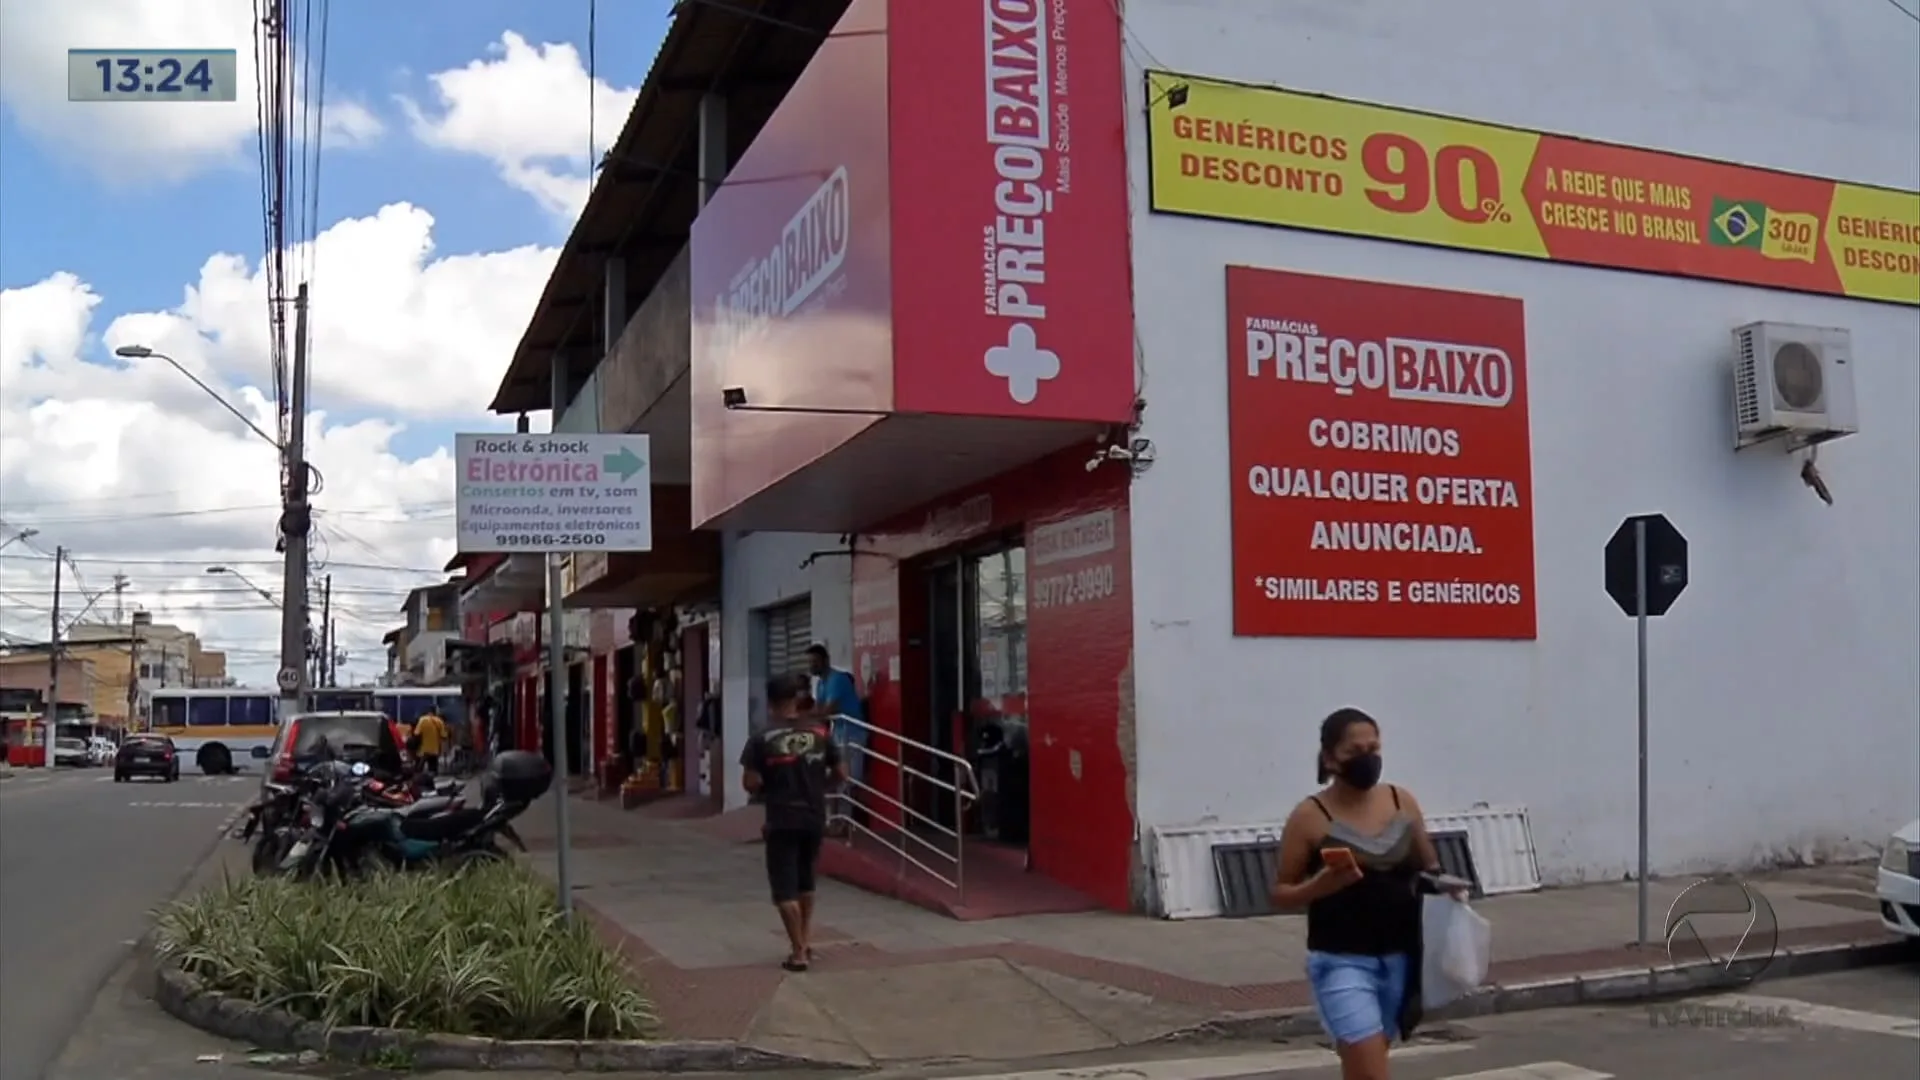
[912, 325]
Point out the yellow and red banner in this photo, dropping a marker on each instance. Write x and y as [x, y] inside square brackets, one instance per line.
[1277, 157]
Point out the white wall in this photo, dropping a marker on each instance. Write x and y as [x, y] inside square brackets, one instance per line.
[759, 570]
[1784, 697]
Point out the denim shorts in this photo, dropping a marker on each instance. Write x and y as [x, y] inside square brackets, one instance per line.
[1358, 997]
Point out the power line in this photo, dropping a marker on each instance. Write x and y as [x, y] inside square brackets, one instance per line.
[204, 560]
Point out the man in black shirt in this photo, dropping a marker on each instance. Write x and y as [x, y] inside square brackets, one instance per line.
[791, 765]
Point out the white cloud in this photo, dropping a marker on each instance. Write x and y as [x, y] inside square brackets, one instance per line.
[170, 140]
[393, 326]
[530, 110]
[135, 470]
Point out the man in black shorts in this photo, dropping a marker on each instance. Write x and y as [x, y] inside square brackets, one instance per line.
[791, 765]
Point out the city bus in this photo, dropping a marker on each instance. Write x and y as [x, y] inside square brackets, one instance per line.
[404, 705]
[220, 731]
[228, 730]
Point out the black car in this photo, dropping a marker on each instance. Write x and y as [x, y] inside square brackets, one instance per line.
[146, 755]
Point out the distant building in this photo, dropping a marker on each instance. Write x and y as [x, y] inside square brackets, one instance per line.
[417, 650]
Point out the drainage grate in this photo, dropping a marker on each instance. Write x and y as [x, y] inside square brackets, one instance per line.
[1246, 873]
[1456, 857]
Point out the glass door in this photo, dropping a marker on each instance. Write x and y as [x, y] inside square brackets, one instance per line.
[996, 634]
[946, 685]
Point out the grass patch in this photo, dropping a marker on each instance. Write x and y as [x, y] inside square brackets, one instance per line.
[484, 951]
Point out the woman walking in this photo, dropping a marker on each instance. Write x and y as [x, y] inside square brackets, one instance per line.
[1357, 856]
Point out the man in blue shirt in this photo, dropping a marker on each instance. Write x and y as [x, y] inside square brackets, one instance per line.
[837, 695]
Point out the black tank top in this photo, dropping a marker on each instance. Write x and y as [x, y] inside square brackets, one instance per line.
[1379, 915]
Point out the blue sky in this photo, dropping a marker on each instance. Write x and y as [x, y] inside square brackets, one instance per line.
[107, 218]
[139, 243]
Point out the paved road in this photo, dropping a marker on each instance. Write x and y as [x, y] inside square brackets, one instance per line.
[82, 862]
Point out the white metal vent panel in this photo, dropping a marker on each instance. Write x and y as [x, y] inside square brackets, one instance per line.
[1187, 885]
[1183, 869]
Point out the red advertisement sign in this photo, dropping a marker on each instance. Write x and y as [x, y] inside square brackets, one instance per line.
[1381, 457]
[1012, 288]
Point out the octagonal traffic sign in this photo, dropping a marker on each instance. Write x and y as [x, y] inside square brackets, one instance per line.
[1666, 565]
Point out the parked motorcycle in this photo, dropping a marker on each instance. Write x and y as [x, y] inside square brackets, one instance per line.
[279, 811]
[346, 829]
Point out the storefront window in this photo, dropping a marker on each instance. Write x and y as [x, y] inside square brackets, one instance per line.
[1000, 621]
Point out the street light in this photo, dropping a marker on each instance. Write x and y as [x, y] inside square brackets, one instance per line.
[19, 537]
[141, 352]
[264, 594]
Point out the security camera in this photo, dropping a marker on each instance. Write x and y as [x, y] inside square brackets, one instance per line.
[734, 397]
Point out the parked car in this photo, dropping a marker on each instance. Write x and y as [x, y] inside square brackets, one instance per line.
[1899, 881]
[307, 738]
[146, 755]
[70, 751]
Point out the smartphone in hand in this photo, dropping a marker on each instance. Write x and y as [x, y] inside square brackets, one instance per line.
[1340, 859]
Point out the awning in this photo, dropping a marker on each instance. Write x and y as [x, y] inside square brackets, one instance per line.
[516, 585]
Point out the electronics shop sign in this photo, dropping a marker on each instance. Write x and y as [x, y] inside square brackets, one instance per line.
[546, 493]
[1382, 476]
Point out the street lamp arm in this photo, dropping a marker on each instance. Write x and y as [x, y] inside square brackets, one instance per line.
[141, 352]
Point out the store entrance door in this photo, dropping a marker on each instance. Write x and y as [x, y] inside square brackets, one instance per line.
[977, 682]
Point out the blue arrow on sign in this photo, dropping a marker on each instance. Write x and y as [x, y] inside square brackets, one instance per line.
[623, 463]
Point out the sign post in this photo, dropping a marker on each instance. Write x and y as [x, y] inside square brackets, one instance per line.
[1646, 570]
[553, 495]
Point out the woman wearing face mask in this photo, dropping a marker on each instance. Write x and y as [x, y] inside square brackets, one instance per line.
[1354, 856]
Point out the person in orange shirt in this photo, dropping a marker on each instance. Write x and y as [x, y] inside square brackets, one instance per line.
[431, 736]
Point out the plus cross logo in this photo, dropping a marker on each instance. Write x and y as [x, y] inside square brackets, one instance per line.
[1023, 363]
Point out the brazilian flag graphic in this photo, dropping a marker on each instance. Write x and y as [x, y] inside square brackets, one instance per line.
[1737, 224]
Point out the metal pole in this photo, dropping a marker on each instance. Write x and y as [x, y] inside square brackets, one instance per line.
[557, 713]
[53, 660]
[1640, 629]
[559, 396]
[326, 631]
[296, 521]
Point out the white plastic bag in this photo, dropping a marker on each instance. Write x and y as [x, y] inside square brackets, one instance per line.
[1457, 947]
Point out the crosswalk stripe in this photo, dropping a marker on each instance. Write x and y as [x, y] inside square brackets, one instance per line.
[1539, 1070]
[1221, 1067]
[1828, 1016]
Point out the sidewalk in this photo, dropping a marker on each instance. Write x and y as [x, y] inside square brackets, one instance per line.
[892, 982]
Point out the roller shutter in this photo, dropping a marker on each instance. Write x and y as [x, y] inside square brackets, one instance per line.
[788, 630]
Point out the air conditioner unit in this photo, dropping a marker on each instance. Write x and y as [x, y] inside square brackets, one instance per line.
[1792, 383]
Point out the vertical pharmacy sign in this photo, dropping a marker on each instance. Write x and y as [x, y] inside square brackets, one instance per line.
[548, 493]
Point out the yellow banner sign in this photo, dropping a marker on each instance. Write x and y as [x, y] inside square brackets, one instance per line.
[1277, 157]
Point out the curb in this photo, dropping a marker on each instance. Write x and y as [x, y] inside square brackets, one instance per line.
[186, 998]
[1615, 987]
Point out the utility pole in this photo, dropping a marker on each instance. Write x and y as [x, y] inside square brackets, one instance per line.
[119, 598]
[296, 522]
[53, 659]
[133, 681]
[326, 631]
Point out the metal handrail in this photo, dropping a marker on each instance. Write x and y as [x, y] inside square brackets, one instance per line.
[909, 846]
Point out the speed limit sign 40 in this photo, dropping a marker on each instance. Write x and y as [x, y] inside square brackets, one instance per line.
[289, 679]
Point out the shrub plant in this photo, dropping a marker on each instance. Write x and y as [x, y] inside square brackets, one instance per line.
[483, 951]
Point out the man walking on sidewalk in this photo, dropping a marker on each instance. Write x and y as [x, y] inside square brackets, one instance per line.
[790, 765]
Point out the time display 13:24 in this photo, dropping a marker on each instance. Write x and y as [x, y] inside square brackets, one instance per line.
[151, 75]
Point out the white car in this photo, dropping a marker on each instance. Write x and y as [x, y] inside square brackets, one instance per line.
[1899, 886]
[70, 751]
[100, 750]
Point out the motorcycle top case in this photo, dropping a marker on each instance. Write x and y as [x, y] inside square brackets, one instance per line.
[520, 776]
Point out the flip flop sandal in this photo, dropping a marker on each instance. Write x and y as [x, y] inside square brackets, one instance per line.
[793, 965]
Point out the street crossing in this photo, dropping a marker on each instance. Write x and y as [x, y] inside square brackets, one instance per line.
[1829, 1023]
